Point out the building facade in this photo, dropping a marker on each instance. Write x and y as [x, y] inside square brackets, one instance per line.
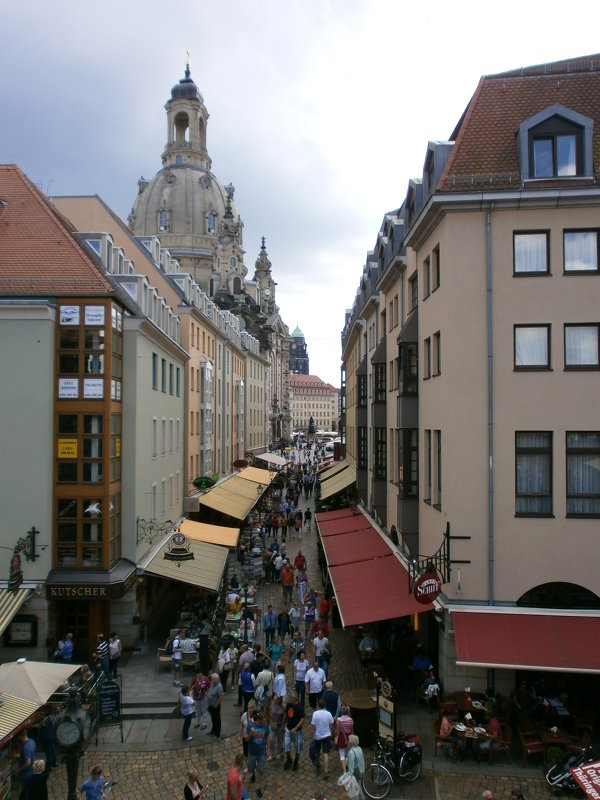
[311, 397]
[491, 372]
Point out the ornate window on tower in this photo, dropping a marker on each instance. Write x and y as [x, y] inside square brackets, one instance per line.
[163, 220]
[210, 222]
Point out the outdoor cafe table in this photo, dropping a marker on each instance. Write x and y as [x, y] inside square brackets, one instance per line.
[363, 710]
[469, 737]
[549, 739]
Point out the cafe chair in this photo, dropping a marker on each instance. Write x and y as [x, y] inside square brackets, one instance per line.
[530, 745]
[189, 660]
[451, 708]
[503, 746]
[442, 741]
[429, 698]
[164, 659]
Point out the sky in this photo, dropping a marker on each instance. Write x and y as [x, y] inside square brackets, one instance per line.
[320, 112]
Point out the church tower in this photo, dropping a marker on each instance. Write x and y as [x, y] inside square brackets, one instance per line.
[298, 353]
[184, 204]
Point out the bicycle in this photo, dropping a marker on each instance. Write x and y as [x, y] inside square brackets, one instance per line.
[108, 787]
[406, 760]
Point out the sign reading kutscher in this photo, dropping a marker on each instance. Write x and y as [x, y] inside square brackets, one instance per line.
[588, 777]
[427, 587]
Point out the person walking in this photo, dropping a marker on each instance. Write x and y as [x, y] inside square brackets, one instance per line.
[115, 649]
[200, 686]
[186, 704]
[322, 725]
[247, 684]
[26, 759]
[269, 624]
[259, 748]
[64, 650]
[235, 785]
[315, 681]
[91, 789]
[193, 789]
[344, 728]
[214, 698]
[355, 762]
[277, 726]
[176, 657]
[247, 717]
[36, 786]
[293, 720]
[300, 669]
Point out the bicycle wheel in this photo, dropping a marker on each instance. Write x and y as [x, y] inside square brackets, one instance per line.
[108, 787]
[409, 767]
[377, 782]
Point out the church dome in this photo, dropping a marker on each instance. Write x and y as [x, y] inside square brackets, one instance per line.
[297, 333]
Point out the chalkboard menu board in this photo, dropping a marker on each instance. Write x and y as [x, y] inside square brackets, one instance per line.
[109, 703]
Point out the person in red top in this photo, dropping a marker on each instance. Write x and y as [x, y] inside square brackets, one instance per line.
[300, 561]
[325, 608]
[235, 785]
[319, 626]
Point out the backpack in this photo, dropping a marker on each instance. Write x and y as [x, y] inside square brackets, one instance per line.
[170, 646]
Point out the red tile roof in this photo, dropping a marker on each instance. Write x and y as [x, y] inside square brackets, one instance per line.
[298, 381]
[485, 153]
[38, 252]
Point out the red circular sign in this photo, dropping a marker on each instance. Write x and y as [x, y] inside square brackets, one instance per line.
[427, 587]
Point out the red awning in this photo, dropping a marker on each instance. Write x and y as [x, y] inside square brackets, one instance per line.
[350, 547]
[557, 642]
[374, 590]
[344, 525]
[324, 516]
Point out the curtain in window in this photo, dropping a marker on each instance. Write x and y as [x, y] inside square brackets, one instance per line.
[531, 347]
[531, 252]
[581, 345]
[533, 474]
[581, 250]
[583, 473]
[565, 147]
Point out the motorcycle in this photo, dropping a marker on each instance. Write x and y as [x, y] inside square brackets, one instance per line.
[559, 777]
[405, 759]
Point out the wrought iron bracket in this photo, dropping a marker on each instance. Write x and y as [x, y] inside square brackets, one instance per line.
[26, 545]
[149, 531]
[439, 562]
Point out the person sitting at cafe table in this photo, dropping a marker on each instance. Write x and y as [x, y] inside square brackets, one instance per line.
[421, 661]
[494, 736]
[447, 731]
[524, 699]
[369, 646]
[431, 686]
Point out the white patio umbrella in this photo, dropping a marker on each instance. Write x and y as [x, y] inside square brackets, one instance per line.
[34, 681]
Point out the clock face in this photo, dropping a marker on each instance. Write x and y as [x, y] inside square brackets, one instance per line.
[267, 293]
[68, 732]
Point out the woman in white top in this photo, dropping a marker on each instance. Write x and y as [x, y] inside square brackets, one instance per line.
[224, 663]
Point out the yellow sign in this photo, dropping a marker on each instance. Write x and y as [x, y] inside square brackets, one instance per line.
[67, 448]
[118, 447]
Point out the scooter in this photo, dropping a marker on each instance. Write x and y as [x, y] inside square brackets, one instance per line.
[559, 777]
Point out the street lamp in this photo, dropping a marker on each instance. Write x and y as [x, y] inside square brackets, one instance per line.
[245, 613]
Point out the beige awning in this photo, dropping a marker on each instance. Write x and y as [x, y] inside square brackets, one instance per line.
[213, 534]
[14, 714]
[340, 481]
[338, 466]
[235, 497]
[272, 458]
[10, 603]
[205, 569]
[256, 475]
[34, 681]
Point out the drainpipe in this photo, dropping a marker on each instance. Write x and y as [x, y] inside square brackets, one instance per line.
[490, 361]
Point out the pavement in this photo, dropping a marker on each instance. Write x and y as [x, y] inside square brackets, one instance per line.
[152, 760]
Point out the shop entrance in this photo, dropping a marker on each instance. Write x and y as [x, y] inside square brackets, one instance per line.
[85, 621]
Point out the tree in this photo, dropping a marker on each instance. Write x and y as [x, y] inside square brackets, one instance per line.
[311, 426]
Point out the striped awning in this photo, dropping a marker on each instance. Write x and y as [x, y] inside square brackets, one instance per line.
[204, 567]
[257, 475]
[213, 534]
[234, 497]
[14, 715]
[10, 603]
[340, 481]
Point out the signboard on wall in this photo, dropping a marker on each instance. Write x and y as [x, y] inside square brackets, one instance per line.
[67, 448]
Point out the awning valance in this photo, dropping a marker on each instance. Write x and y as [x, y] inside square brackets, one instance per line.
[10, 603]
[256, 475]
[14, 715]
[350, 547]
[213, 534]
[339, 482]
[333, 469]
[205, 569]
[536, 641]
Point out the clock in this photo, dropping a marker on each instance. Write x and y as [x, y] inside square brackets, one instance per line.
[68, 732]
[233, 261]
[267, 293]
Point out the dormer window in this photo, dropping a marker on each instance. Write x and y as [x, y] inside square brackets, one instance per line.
[556, 143]
[556, 148]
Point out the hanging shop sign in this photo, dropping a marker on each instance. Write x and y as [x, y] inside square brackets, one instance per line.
[427, 587]
[178, 548]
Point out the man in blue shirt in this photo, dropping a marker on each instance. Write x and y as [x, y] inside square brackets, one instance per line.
[269, 624]
[26, 759]
[258, 738]
[67, 649]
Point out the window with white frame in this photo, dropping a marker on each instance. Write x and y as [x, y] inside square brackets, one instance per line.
[532, 346]
[581, 346]
[583, 474]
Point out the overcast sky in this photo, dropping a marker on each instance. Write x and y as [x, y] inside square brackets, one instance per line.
[320, 112]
